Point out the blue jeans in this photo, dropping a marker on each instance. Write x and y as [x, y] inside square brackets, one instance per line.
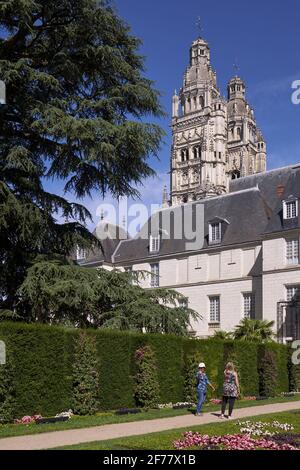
[201, 400]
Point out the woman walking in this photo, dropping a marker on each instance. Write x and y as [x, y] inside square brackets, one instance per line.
[231, 389]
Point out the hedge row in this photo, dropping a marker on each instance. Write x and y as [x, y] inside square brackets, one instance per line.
[42, 358]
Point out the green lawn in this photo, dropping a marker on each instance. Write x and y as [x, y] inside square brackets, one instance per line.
[10, 430]
[164, 440]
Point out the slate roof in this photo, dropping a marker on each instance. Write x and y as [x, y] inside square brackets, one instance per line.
[246, 206]
[251, 210]
[109, 243]
[275, 186]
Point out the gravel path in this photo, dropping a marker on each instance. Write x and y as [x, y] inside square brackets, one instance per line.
[111, 431]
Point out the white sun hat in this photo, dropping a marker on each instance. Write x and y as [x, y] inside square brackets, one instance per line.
[202, 365]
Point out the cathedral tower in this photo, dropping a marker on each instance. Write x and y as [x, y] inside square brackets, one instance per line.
[198, 163]
[214, 139]
[246, 146]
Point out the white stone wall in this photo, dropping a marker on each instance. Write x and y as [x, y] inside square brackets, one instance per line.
[231, 304]
[276, 277]
[229, 274]
[198, 277]
[274, 254]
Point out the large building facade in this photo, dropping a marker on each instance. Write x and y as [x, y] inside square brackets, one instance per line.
[248, 264]
[214, 139]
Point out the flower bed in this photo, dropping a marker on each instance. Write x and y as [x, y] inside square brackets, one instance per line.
[290, 394]
[175, 406]
[28, 419]
[215, 401]
[259, 428]
[38, 419]
[252, 435]
[65, 414]
[228, 442]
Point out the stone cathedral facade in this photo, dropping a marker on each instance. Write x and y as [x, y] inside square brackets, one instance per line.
[214, 139]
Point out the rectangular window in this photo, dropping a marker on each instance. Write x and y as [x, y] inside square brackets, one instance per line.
[214, 316]
[154, 244]
[215, 233]
[291, 292]
[249, 305]
[292, 251]
[80, 254]
[129, 270]
[154, 282]
[290, 209]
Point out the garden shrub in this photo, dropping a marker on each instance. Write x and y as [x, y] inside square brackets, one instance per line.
[39, 356]
[7, 391]
[268, 373]
[292, 372]
[297, 377]
[280, 352]
[282, 365]
[169, 353]
[146, 379]
[245, 359]
[43, 358]
[86, 381]
[115, 355]
[190, 392]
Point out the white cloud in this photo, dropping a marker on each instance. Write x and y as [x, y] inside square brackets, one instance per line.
[274, 86]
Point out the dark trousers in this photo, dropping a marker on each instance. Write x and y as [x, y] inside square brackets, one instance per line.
[231, 401]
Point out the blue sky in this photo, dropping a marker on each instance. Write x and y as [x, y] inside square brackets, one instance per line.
[263, 36]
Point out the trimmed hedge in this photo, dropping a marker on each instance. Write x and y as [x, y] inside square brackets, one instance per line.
[244, 356]
[43, 357]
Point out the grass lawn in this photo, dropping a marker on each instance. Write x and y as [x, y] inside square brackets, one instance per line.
[11, 430]
[164, 440]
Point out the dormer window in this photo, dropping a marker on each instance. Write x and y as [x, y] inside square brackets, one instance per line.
[80, 254]
[290, 209]
[154, 244]
[215, 233]
[217, 229]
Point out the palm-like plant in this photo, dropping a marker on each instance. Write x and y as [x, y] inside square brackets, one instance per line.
[260, 331]
[223, 335]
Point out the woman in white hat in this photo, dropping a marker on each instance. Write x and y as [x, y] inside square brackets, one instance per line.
[202, 384]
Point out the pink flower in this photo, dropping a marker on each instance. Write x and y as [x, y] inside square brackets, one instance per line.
[28, 419]
[229, 442]
[215, 401]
